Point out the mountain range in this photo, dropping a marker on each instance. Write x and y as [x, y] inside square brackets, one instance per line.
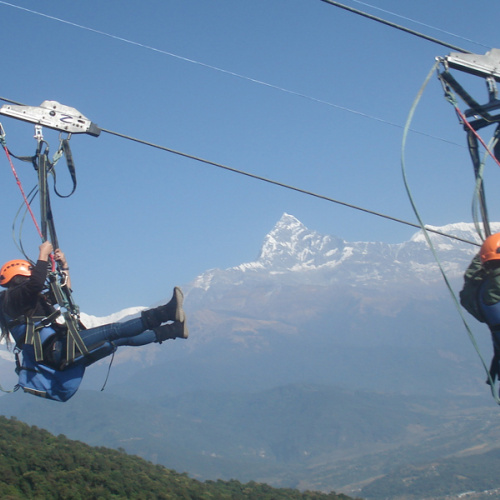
[331, 309]
[322, 364]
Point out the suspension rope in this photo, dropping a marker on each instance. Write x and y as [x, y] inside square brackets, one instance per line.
[23, 194]
[18, 239]
[396, 26]
[429, 241]
[20, 186]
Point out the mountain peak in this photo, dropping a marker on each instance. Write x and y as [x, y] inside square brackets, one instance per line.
[290, 243]
[288, 220]
[293, 253]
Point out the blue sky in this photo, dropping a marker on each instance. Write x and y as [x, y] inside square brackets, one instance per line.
[143, 220]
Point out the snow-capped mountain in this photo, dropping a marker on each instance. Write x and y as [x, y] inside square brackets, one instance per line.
[292, 253]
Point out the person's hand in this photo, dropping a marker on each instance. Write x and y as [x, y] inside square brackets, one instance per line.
[45, 249]
[61, 259]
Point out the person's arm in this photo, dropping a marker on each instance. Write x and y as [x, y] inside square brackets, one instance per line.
[23, 297]
[474, 267]
[36, 283]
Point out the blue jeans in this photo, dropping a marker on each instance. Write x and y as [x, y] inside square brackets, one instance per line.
[128, 333]
[110, 337]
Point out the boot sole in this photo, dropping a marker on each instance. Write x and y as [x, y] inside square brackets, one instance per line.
[179, 312]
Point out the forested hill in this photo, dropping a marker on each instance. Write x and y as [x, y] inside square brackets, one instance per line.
[36, 464]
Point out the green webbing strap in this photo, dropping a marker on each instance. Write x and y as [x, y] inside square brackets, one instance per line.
[65, 150]
[55, 288]
[73, 339]
[33, 326]
[33, 335]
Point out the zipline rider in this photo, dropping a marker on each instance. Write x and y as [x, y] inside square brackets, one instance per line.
[27, 314]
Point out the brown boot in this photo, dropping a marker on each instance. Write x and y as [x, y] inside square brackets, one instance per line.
[176, 330]
[172, 311]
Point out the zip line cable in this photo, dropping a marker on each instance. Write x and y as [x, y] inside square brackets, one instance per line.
[396, 26]
[270, 181]
[283, 185]
[225, 71]
[421, 23]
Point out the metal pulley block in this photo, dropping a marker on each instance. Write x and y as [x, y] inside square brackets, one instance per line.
[53, 115]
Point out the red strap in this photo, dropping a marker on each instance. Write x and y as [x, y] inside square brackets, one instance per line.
[28, 206]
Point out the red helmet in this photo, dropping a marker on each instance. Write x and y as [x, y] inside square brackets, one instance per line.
[490, 249]
[14, 268]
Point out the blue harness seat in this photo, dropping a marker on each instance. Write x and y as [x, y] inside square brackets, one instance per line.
[49, 378]
[39, 378]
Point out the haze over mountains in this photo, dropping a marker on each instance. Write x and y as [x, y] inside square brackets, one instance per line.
[321, 364]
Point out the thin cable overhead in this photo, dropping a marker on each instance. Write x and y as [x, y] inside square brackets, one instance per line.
[227, 72]
[396, 26]
[422, 24]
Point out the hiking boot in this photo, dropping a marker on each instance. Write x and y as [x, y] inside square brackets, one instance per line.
[176, 330]
[172, 311]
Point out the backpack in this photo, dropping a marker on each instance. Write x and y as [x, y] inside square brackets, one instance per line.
[469, 295]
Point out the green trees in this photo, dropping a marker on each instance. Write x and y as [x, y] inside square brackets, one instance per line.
[35, 464]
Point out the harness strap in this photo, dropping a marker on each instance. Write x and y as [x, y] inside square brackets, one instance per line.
[73, 339]
[66, 150]
[33, 326]
[35, 392]
[32, 337]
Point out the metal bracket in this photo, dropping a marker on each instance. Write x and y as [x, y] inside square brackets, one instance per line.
[53, 115]
[493, 102]
[480, 65]
[38, 133]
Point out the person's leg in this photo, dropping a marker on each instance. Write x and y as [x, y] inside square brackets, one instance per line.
[112, 332]
[120, 333]
[175, 330]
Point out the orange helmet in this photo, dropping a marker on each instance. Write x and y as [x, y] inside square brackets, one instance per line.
[14, 268]
[490, 249]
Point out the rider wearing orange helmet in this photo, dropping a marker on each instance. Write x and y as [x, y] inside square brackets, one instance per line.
[481, 293]
[14, 268]
[23, 306]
